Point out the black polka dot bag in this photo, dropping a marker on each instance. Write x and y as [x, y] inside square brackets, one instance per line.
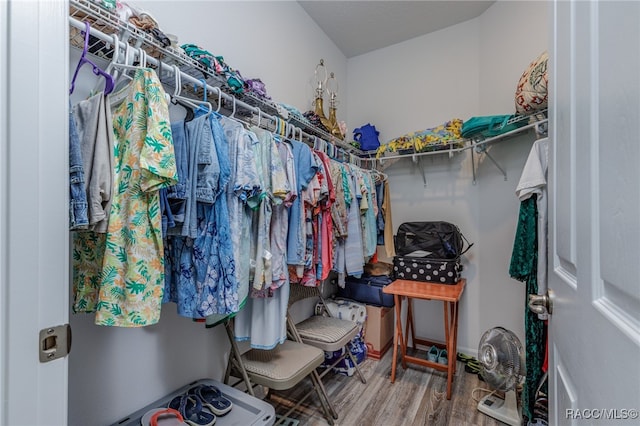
[429, 251]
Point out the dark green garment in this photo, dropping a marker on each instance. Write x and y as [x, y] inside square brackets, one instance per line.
[524, 267]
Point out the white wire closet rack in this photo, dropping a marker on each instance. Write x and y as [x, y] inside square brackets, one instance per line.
[107, 30]
[476, 145]
[111, 36]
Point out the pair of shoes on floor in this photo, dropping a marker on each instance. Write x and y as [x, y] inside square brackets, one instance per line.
[473, 367]
[437, 355]
[201, 405]
[464, 357]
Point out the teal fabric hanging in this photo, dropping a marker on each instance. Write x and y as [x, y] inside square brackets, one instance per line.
[523, 267]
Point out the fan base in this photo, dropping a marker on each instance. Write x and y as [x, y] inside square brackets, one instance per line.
[505, 410]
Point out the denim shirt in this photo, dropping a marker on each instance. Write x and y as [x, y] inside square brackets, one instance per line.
[78, 216]
[208, 165]
[200, 175]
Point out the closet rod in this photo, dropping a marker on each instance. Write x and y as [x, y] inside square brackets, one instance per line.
[264, 117]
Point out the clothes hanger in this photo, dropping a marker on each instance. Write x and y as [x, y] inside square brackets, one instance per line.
[184, 100]
[201, 108]
[124, 66]
[259, 116]
[109, 81]
[190, 114]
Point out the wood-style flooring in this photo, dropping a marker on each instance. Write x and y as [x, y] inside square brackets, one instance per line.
[418, 397]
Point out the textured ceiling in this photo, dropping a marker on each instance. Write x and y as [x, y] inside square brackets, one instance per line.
[358, 27]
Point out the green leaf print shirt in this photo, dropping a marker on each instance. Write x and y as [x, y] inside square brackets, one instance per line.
[120, 275]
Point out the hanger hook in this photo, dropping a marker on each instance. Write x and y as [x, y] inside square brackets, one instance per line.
[178, 83]
[127, 49]
[204, 89]
[145, 58]
[116, 53]
[219, 99]
[233, 112]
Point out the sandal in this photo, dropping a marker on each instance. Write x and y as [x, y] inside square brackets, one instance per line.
[212, 398]
[190, 407]
[464, 357]
[474, 367]
[162, 417]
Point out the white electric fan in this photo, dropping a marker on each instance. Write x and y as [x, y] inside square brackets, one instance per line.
[501, 356]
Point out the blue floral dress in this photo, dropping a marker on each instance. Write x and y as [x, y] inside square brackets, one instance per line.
[201, 275]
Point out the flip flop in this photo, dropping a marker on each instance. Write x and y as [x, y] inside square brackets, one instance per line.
[190, 407]
[464, 357]
[212, 398]
[162, 417]
[474, 367]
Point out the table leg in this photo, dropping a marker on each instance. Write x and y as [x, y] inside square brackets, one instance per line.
[409, 329]
[403, 341]
[397, 336]
[454, 343]
[451, 357]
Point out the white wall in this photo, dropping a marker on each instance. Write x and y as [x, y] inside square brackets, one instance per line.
[462, 71]
[113, 372]
[273, 40]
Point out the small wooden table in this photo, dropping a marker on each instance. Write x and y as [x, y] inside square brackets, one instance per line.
[449, 294]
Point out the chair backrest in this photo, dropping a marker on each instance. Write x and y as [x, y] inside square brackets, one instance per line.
[299, 292]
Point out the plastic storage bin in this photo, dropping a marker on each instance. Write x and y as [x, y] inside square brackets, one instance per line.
[247, 410]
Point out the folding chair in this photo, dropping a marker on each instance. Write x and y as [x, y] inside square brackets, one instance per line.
[325, 332]
[282, 368]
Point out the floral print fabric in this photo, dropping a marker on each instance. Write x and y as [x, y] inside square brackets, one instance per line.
[120, 274]
[201, 276]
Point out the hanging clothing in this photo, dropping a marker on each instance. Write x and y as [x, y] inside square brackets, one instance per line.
[380, 215]
[532, 192]
[339, 205]
[339, 264]
[200, 275]
[305, 170]
[389, 246]
[523, 267]
[244, 185]
[280, 216]
[326, 247]
[368, 209]
[130, 277]
[78, 214]
[305, 272]
[275, 187]
[95, 130]
[354, 249]
[178, 194]
[533, 181]
[262, 321]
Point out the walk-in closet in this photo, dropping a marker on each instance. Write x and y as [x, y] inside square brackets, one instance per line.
[319, 212]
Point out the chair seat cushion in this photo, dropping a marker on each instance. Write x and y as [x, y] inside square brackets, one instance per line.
[326, 333]
[282, 367]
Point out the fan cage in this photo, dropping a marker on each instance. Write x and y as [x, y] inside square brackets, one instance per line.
[502, 358]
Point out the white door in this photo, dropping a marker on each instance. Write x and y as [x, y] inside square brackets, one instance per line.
[34, 289]
[594, 228]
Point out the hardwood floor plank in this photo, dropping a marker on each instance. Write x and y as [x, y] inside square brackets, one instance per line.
[417, 398]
